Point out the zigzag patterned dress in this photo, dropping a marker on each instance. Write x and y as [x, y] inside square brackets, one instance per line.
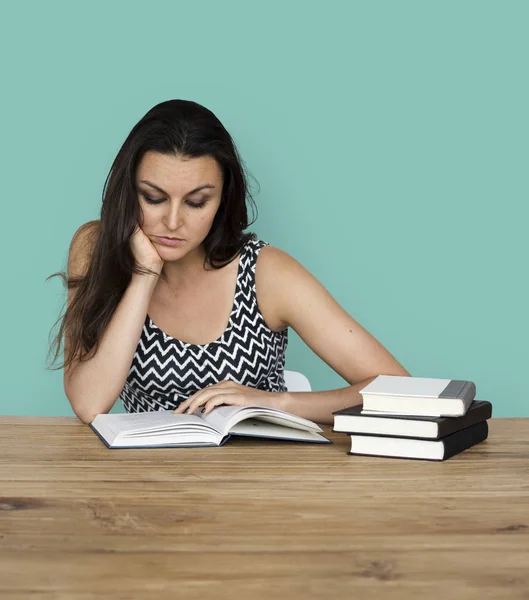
[165, 371]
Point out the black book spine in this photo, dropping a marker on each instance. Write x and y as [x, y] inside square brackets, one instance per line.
[457, 442]
[450, 425]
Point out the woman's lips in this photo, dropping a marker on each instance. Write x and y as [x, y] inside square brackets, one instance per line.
[169, 241]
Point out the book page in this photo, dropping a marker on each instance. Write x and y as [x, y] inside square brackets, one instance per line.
[380, 413]
[144, 422]
[224, 418]
[220, 416]
[259, 428]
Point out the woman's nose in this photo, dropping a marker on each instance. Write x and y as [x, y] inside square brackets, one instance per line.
[173, 215]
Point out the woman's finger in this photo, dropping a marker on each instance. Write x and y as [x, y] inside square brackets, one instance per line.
[227, 399]
[206, 397]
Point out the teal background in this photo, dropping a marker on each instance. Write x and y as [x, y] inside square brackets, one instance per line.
[389, 140]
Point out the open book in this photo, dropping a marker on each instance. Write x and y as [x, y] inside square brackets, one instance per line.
[164, 429]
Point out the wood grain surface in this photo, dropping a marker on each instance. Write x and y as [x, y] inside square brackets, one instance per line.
[258, 519]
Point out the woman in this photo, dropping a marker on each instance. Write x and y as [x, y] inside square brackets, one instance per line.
[167, 269]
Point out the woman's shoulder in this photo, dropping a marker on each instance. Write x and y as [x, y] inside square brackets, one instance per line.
[274, 265]
[86, 231]
[273, 258]
[276, 279]
[81, 247]
[277, 269]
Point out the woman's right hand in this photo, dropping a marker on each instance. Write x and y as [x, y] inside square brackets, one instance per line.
[144, 252]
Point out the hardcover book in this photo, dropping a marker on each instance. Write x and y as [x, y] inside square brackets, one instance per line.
[353, 420]
[165, 429]
[418, 396]
[398, 447]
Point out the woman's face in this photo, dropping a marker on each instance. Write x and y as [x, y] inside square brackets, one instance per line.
[182, 210]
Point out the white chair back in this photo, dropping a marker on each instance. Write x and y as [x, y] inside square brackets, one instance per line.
[296, 382]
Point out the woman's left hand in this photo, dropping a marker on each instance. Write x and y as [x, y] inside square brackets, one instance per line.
[228, 392]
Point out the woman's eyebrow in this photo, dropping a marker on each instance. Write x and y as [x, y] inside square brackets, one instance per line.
[202, 187]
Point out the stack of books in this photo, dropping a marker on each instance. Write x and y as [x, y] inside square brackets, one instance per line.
[415, 417]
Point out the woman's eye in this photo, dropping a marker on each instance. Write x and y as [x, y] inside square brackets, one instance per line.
[159, 200]
[152, 200]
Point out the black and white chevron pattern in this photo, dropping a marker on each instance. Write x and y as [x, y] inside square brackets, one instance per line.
[165, 371]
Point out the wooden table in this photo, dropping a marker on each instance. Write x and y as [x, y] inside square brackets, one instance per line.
[258, 519]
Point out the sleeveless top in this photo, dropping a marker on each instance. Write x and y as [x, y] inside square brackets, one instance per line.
[166, 371]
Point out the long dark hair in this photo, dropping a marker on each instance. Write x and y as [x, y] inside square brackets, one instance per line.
[175, 127]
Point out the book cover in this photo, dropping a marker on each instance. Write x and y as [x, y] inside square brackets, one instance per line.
[352, 420]
[418, 396]
[413, 448]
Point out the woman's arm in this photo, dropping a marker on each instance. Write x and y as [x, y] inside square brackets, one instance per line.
[93, 386]
[319, 406]
[303, 303]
